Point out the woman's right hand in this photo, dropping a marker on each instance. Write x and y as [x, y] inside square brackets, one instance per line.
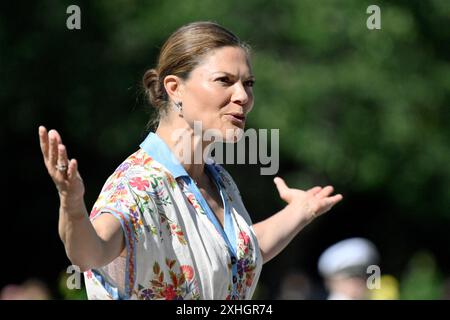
[63, 172]
[88, 244]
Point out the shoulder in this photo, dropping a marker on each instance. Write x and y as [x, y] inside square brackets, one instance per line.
[134, 184]
[139, 172]
[139, 165]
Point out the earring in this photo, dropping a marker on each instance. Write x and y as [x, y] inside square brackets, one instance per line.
[179, 106]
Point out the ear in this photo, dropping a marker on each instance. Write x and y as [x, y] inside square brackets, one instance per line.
[173, 86]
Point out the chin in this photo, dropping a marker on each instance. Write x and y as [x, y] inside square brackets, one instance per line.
[233, 135]
[224, 134]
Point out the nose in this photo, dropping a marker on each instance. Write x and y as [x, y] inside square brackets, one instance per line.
[241, 94]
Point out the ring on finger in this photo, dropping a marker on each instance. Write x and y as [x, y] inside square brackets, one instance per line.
[61, 167]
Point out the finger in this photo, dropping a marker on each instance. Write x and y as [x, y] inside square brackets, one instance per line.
[280, 183]
[58, 136]
[331, 201]
[43, 141]
[325, 192]
[53, 149]
[337, 198]
[72, 171]
[62, 158]
[283, 189]
[314, 191]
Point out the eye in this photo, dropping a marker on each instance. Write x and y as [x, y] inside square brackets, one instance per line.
[225, 80]
[249, 83]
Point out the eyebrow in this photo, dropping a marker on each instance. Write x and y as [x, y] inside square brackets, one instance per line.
[232, 75]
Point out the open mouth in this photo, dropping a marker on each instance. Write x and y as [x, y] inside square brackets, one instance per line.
[237, 118]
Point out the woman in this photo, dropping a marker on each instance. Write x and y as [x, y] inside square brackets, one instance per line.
[164, 227]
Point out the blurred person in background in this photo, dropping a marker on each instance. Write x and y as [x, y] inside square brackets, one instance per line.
[32, 289]
[343, 267]
[295, 285]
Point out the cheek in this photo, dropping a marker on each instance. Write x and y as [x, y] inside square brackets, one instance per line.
[207, 100]
[207, 97]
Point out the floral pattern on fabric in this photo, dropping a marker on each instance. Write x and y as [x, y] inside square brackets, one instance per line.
[178, 286]
[190, 196]
[245, 267]
[245, 264]
[172, 249]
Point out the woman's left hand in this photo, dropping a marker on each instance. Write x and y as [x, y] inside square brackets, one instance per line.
[310, 203]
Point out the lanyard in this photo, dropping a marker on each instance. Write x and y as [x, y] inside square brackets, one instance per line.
[155, 147]
[227, 233]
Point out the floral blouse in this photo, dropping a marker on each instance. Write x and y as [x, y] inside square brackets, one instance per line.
[175, 248]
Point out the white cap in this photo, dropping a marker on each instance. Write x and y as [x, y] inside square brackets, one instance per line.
[351, 256]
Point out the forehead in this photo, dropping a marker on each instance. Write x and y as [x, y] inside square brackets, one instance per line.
[232, 60]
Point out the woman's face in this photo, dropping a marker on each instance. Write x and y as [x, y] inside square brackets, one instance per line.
[219, 92]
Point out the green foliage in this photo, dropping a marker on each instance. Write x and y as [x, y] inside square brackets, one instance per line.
[70, 294]
[422, 280]
[368, 107]
[364, 110]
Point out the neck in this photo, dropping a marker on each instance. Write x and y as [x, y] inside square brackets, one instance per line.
[186, 147]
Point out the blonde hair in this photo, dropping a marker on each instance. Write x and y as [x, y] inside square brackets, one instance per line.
[180, 54]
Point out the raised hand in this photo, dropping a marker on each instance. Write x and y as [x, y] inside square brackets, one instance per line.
[63, 172]
[311, 203]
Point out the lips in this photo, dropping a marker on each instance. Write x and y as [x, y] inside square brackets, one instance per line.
[238, 116]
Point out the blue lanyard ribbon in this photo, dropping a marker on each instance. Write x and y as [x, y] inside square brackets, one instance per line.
[156, 148]
[228, 232]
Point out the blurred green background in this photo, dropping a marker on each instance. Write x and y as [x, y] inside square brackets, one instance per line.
[364, 110]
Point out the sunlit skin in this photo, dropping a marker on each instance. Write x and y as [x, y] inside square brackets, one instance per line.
[219, 86]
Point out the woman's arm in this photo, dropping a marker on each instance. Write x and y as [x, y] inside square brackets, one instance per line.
[277, 231]
[88, 245]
